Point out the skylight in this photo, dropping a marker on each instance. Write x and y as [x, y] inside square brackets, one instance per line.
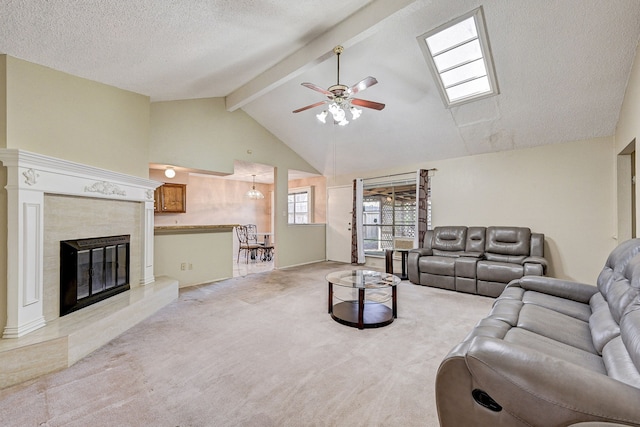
[459, 57]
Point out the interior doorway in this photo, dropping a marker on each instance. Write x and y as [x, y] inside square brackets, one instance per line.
[252, 206]
[626, 189]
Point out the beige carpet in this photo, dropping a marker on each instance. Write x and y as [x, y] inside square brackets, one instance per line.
[258, 351]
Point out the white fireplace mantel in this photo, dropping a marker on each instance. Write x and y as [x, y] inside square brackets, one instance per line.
[29, 177]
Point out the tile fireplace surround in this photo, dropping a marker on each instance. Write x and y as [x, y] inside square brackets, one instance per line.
[35, 339]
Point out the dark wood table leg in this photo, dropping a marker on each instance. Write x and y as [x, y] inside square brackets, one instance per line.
[330, 297]
[388, 261]
[404, 255]
[361, 308]
[394, 301]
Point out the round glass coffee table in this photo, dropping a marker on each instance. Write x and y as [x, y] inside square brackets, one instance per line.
[363, 297]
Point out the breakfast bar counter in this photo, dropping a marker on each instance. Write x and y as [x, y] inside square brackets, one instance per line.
[188, 229]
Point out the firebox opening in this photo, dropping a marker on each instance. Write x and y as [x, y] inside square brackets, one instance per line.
[92, 270]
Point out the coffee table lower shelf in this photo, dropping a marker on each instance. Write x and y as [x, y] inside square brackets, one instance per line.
[373, 316]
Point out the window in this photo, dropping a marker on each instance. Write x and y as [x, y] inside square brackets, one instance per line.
[300, 205]
[389, 212]
[459, 57]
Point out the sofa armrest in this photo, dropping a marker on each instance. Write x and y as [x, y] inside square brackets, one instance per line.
[412, 263]
[537, 260]
[543, 390]
[421, 251]
[574, 291]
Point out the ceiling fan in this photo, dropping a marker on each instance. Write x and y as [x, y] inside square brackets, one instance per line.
[340, 98]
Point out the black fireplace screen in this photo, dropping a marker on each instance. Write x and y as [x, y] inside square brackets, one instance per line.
[92, 270]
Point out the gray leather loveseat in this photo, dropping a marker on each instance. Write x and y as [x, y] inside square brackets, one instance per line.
[477, 260]
[551, 353]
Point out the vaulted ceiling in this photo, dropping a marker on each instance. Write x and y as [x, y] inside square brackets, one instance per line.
[562, 67]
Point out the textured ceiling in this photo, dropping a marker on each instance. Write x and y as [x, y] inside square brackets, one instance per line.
[562, 67]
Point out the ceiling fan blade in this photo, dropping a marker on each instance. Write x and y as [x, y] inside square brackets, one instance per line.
[362, 85]
[309, 107]
[317, 88]
[367, 104]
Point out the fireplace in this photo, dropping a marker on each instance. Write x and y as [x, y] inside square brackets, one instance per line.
[92, 270]
[111, 203]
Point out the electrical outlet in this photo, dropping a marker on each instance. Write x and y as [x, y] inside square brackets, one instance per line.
[183, 266]
[190, 266]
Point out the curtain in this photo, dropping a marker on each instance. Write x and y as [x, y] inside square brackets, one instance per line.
[357, 239]
[424, 204]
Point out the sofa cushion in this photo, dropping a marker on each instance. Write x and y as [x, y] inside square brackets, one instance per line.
[438, 281]
[557, 326]
[561, 305]
[449, 238]
[499, 271]
[449, 254]
[444, 266]
[508, 240]
[556, 349]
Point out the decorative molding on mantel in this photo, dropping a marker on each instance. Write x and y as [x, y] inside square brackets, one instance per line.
[57, 176]
[29, 177]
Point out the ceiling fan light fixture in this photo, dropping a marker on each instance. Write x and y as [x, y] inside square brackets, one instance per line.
[340, 97]
[322, 116]
[338, 113]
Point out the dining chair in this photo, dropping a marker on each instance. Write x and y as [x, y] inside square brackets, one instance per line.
[244, 243]
[252, 233]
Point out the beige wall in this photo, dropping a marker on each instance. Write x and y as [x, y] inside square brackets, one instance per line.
[201, 134]
[206, 256]
[565, 191]
[627, 131]
[628, 126]
[60, 115]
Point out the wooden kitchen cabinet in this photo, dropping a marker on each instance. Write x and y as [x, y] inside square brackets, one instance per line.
[171, 198]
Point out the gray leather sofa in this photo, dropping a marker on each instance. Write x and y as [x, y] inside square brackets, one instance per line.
[477, 260]
[551, 353]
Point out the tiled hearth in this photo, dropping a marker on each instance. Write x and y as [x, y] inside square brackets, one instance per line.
[49, 200]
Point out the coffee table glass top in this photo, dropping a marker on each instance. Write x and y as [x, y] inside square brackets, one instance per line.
[362, 279]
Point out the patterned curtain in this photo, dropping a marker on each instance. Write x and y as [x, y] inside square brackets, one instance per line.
[424, 204]
[357, 242]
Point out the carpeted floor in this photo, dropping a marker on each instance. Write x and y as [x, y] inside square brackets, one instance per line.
[259, 350]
